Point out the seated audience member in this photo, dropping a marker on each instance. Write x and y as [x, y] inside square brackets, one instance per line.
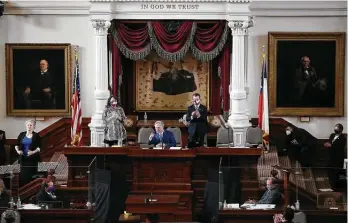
[152, 218]
[46, 192]
[162, 138]
[286, 217]
[336, 145]
[299, 145]
[271, 195]
[4, 196]
[10, 216]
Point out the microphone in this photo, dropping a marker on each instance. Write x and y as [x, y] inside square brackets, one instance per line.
[149, 199]
[220, 164]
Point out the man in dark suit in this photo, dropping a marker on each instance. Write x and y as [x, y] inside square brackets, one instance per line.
[40, 87]
[197, 117]
[162, 138]
[336, 145]
[271, 195]
[2, 148]
[4, 196]
[46, 193]
[300, 145]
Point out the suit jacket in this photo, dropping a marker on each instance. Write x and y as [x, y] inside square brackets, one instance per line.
[197, 124]
[168, 139]
[2, 141]
[4, 199]
[303, 138]
[270, 197]
[336, 152]
[36, 143]
[43, 196]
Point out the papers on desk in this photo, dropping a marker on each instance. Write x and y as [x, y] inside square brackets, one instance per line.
[30, 207]
[325, 190]
[258, 206]
[175, 148]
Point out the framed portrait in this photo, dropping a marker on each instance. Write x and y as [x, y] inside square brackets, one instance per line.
[306, 74]
[38, 79]
[165, 86]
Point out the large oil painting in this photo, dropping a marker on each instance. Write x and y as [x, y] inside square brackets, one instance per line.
[165, 86]
[38, 79]
[306, 74]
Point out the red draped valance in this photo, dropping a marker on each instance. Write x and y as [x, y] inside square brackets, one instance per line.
[205, 43]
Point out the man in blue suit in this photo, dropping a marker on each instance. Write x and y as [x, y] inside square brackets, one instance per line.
[161, 138]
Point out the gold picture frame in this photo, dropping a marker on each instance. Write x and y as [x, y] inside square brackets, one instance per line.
[306, 73]
[164, 86]
[25, 78]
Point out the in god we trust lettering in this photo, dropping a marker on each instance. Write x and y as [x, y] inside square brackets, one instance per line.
[169, 6]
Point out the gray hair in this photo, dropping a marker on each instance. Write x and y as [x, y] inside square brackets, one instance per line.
[32, 121]
[159, 123]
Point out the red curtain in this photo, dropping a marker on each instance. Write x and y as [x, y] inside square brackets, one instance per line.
[224, 64]
[205, 43]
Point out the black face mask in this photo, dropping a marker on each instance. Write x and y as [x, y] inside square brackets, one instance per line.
[337, 131]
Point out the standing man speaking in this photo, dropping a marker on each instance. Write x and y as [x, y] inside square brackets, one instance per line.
[197, 117]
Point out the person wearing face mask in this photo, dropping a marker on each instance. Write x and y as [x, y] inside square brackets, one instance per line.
[113, 117]
[197, 117]
[336, 145]
[46, 193]
[299, 145]
[271, 195]
[28, 148]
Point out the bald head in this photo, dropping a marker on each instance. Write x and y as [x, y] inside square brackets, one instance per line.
[43, 65]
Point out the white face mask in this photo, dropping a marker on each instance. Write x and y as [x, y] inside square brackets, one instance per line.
[288, 132]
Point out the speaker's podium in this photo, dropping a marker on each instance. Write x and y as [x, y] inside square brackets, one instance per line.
[152, 204]
[161, 183]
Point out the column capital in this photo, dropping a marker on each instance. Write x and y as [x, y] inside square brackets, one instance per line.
[240, 27]
[101, 27]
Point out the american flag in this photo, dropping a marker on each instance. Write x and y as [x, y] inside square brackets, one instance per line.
[76, 118]
[263, 119]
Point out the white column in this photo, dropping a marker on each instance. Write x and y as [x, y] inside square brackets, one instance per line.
[238, 119]
[101, 92]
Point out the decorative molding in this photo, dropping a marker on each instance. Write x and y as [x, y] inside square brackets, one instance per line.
[101, 28]
[178, 1]
[53, 7]
[240, 27]
[290, 8]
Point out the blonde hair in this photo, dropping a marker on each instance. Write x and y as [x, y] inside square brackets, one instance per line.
[32, 121]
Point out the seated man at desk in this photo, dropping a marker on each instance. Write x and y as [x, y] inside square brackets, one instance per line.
[4, 196]
[162, 138]
[46, 193]
[271, 196]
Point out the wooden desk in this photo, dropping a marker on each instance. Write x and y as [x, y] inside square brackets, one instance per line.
[171, 172]
[55, 215]
[158, 204]
[266, 216]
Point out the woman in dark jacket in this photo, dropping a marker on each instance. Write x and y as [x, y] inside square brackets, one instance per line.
[28, 149]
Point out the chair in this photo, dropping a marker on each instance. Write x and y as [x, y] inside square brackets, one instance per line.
[143, 136]
[327, 200]
[224, 137]
[253, 136]
[177, 135]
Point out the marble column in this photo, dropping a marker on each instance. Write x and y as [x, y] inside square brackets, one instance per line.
[238, 119]
[101, 92]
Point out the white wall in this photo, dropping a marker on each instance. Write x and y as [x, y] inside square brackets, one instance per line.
[73, 29]
[78, 30]
[320, 127]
